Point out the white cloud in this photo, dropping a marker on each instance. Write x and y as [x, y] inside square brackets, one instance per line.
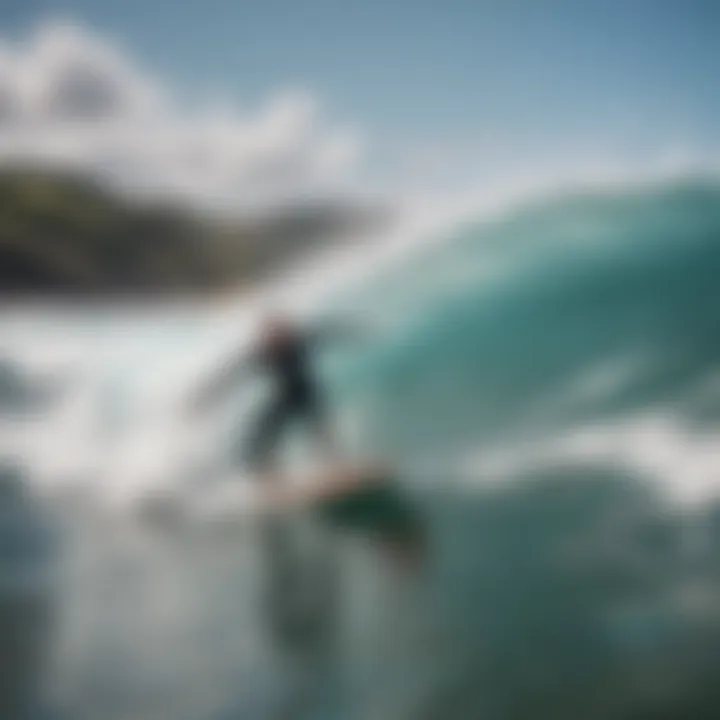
[71, 99]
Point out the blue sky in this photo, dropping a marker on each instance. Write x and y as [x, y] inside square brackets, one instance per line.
[473, 81]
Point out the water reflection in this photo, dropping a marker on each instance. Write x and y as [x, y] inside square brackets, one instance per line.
[566, 594]
[301, 597]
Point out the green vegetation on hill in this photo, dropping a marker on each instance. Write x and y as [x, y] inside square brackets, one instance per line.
[67, 236]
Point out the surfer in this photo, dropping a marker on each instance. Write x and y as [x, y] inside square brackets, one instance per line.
[285, 352]
[360, 498]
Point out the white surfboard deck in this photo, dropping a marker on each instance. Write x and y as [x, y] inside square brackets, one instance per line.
[317, 486]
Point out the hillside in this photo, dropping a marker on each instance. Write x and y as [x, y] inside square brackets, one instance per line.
[66, 236]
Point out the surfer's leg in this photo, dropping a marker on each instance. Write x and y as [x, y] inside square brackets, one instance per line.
[314, 413]
[266, 434]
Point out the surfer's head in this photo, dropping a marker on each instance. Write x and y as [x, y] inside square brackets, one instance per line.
[277, 328]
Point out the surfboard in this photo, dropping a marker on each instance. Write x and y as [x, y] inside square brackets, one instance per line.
[361, 499]
[365, 499]
[263, 494]
[318, 487]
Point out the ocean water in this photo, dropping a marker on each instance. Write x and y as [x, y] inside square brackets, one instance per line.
[544, 379]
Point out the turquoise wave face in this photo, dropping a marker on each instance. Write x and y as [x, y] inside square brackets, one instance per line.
[593, 307]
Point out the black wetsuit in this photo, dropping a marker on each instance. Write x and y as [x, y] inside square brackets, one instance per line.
[297, 395]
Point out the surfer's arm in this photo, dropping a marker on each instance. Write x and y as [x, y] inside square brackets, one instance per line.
[225, 377]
